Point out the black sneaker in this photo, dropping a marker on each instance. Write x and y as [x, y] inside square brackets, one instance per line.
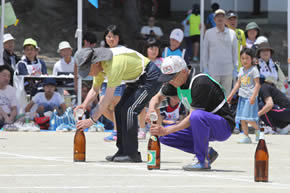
[212, 155]
[136, 158]
[111, 158]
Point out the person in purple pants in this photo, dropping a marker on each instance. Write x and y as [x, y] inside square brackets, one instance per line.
[210, 118]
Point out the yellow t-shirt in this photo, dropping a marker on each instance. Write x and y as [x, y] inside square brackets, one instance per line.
[194, 21]
[241, 43]
[122, 67]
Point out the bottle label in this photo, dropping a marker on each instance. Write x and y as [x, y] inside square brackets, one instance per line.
[151, 158]
[154, 138]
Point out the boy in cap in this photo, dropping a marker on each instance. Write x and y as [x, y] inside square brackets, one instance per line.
[220, 56]
[210, 118]
[47, 100]
[66, 63]
[174, 49]
[119, 65]
[29, 63]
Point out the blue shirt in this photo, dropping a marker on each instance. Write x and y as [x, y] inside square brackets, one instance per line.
[176, 52]
[210, 20]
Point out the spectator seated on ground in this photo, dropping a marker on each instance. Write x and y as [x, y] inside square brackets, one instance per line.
[8, 103]
[29, 63]
[47, 100]
[66, 63]
[151, 30]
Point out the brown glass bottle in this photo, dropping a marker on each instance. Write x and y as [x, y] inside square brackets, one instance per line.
[79, 146]
[153, 155]
[261, 159]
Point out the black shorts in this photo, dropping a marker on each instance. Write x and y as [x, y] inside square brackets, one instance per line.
[195, 38]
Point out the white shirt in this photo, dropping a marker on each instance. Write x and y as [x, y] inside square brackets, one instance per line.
[8, 98]
[146, 30]
[56, 99]
[62, 66]
[220, 54]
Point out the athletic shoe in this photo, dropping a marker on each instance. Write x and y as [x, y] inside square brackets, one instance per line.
[197, 167]
[212, 155]
[136, 158]
[245, 140]
[112, 137]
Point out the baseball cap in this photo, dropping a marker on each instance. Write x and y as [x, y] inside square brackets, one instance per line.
[261, 39]
[219, 11]
[87, 56]
[177, 34]
[30, 41]
[49, 81]
[231, 14]
[7, 37]
[170, 66]
[63, 45]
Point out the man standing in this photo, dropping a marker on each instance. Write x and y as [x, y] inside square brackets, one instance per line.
[232, 23]
[210, 118]
[274, 106]
[119, 65]
[220, 56]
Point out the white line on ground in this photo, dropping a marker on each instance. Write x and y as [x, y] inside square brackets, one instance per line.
[141, 167]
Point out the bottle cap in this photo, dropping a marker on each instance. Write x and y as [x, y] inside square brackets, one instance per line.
[79, 113]
[153, 116]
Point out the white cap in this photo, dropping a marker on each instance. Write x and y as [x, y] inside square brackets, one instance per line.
[219, 11]
[170, 66]
[63, 45]
[7, 37]
[261, 39]
[177, 34]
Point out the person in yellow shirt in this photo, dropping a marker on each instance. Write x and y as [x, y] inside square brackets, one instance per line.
[119, 64]
[232, 23]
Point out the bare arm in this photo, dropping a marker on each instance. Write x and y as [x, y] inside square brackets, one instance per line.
[103, 104]
[29, 106]
[154, 102]
[234, 91]
[160, 131]
[256, 90]
[267, 107]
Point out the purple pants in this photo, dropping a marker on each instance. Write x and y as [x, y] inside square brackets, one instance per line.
[204, 127]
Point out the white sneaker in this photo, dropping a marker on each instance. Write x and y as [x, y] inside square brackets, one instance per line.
[268, 130]
[283, 131]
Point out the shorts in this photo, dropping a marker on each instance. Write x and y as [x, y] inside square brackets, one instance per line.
[195, 38]
[118, 91]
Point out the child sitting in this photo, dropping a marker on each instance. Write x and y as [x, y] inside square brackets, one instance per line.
[47, 100]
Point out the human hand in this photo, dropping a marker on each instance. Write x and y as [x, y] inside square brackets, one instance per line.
[78, 108]
[83, 124]
[252, 100]
[150, 111]
[229, 99]
[157, 130]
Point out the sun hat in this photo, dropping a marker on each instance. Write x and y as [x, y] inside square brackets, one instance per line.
[177, 34]
[87, 56]
[63, 45]
[170, 66]
[7, 37]
[264, 46]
